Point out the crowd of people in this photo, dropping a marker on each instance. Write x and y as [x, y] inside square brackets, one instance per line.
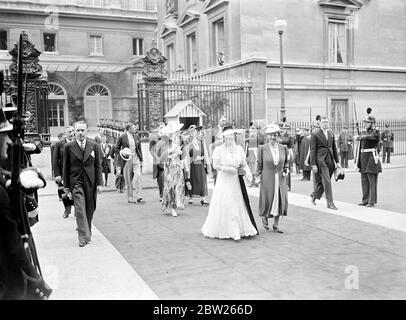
[183, 158]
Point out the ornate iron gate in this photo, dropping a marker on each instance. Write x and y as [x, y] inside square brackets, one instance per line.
[215, 96]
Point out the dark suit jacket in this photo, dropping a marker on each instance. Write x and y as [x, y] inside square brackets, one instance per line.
[123, 142]
[76, 163]
[57, 157]
[323, 150]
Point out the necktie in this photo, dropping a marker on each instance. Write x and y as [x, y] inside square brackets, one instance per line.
[82, 146]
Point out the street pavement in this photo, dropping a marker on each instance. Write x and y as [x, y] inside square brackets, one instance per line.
[137, 252]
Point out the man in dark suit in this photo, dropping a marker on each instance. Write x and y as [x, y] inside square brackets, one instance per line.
[132, 169]
[323, 160]
[82, 177]
[57, 164]
[368, 162]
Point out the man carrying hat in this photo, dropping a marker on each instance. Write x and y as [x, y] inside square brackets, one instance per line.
[368, 162]
[57, 164]
[323, 160]
[387, 143]
[132, 168]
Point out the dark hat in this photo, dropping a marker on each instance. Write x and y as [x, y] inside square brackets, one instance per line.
[370, 119]
[5, 125]
[339, 174]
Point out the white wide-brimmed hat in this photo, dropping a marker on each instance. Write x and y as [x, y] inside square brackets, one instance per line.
[125, 154]
[172, 127]
[272, 128]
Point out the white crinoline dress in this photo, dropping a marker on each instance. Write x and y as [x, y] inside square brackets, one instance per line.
[228, 217]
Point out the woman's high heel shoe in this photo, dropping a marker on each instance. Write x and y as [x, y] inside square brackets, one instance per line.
[276, 229]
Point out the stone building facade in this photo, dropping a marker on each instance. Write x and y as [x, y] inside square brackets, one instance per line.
[90, 50]
[337, 53]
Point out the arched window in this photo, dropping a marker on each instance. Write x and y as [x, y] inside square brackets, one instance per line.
[97, 104]
[56, 90]
[97, 89]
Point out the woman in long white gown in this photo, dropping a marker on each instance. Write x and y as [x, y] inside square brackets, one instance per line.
[228, 216]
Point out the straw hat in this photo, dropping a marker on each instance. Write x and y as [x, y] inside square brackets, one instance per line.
[171, 127]
[5, 125]
[272, 128]
[125, 154]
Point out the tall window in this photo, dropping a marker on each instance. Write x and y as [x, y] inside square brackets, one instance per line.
[3, 39]
[218, 43]
[339, 110]
[191, 62]
[138, 48]
[337, 42]
[170, 55]
[49, 42]
[96, 45]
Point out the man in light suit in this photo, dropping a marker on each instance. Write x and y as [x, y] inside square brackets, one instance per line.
[57, 164]
[323, 160]
[82, 177]
[131, 168]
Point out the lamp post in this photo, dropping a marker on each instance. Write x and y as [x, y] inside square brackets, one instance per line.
[280, 27]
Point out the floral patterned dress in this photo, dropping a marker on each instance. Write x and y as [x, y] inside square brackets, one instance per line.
[174, 183]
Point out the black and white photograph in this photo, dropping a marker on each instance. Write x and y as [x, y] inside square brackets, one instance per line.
[202, 150]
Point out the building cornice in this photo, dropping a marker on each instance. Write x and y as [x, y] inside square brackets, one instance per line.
[337, 68]
[338, 87]
[94, 13]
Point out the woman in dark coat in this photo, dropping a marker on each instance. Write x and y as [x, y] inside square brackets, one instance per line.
[199, 162]
[273, 166]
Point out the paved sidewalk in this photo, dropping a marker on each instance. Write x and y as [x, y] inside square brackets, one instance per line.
[97, 271]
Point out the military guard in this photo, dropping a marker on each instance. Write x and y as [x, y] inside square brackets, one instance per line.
[387, 143]
[368, 162]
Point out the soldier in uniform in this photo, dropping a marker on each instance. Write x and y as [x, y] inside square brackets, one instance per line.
[368, 162]
[387, 143]
[345, 141]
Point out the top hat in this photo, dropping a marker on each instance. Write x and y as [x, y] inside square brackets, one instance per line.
[370, 119]
[125, 154]
[272, 128]
[171, 127]
[5, 125]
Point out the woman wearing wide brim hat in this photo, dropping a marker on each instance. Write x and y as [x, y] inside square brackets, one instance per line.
[199, 164]
[169, 153]
[171, 128]
[228, 215]
[272, 168]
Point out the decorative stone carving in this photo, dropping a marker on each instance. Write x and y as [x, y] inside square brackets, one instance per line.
[35, 91]
[155, 103]
[154, 64]
[31, 64]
